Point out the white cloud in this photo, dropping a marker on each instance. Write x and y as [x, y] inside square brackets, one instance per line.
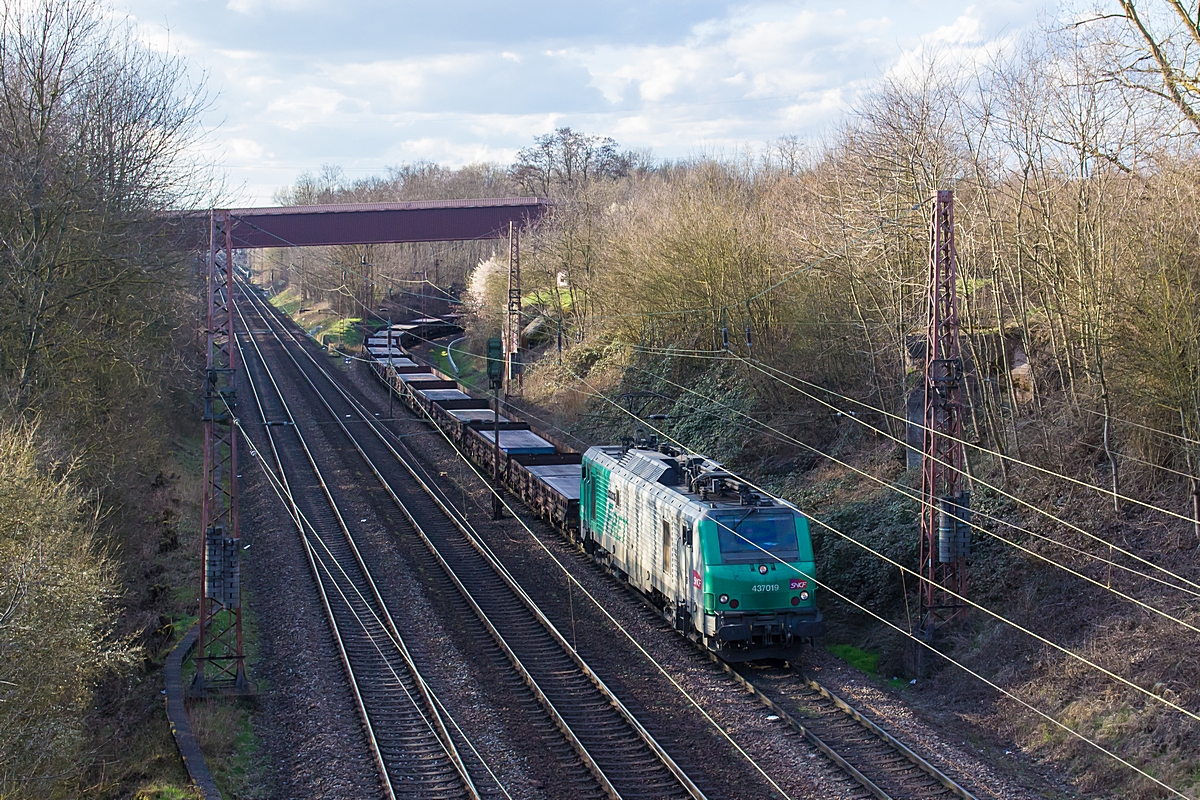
[304, 107]
[293, 92]
[259, 6]
[245, 151]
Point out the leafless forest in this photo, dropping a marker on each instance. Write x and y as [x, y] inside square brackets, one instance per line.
[1073, 154]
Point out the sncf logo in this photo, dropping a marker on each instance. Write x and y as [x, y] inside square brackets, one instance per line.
[697, 581]
[798, 583]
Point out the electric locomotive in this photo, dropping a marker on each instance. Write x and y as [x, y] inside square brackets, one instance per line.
[730, 567]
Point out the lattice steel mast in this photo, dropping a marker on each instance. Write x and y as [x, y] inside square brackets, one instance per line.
[512, 337]
[945, 515]
[220, 659]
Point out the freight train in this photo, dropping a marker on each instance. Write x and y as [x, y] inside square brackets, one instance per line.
[729, 567]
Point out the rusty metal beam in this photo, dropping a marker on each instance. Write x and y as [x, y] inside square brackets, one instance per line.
[369, 223]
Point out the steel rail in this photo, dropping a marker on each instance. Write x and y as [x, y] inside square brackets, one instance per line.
[899, 746]
[495, 565]
[845, 764]
[429, 713]
[871, 785]
[294, 514]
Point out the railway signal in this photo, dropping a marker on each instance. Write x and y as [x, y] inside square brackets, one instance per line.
[945, 513]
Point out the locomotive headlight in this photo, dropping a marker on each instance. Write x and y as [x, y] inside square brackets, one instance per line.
[804, 595]
[762, 569]
[724, 598]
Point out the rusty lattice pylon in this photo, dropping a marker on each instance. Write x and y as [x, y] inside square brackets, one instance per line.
[220, 659]
[945, 530]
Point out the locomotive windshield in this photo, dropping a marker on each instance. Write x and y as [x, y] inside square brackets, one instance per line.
[743, 537]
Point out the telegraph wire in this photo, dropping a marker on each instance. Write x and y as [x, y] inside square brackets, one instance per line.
[594, 600]
[597, 394]
[1111, 546]
[961, 598]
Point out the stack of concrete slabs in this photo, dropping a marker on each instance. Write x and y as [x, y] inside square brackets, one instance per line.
[469, 415]
[563, 478]
[396, 361]
[519, 442]
[418, 377]
[434, 395]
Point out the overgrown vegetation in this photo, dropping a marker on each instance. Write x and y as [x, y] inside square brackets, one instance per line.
[98, 352]
[718, 282]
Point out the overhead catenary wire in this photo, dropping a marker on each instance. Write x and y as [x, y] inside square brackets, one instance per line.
[765, 368]
[687, 695]
[905, 570]
[300, 520]
[1000, 520]
[397, 642]
[756, 365]
[1001, 492]
[280, 483]
[461, 516]
[596, 393]
[959, 597]
[974, 525]
[1022, 702]
[1145, 427]
[781, 436]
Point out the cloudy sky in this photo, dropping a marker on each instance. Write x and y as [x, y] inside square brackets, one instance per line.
[363, 85]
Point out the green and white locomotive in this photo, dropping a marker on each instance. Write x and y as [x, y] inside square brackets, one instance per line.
[730, 567]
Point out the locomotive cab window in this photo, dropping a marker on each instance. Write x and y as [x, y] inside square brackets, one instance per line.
[666, 544]
[743, 537]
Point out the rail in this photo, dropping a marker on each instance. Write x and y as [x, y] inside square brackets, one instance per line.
[591, 721]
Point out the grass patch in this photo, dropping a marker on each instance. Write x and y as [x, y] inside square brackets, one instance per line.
[472, 367]
[545, 297]
[287, 301]
[863, 660]
[345, 330]
[223, 727]
[161, 792]
[441, 360]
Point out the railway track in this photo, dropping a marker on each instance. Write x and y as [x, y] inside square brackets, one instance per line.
[883, 766]
[413, 750]
[622, 758]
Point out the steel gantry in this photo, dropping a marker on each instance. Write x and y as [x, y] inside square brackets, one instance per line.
[945, 513]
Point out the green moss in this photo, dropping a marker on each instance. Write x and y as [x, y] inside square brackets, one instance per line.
[859, 659]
